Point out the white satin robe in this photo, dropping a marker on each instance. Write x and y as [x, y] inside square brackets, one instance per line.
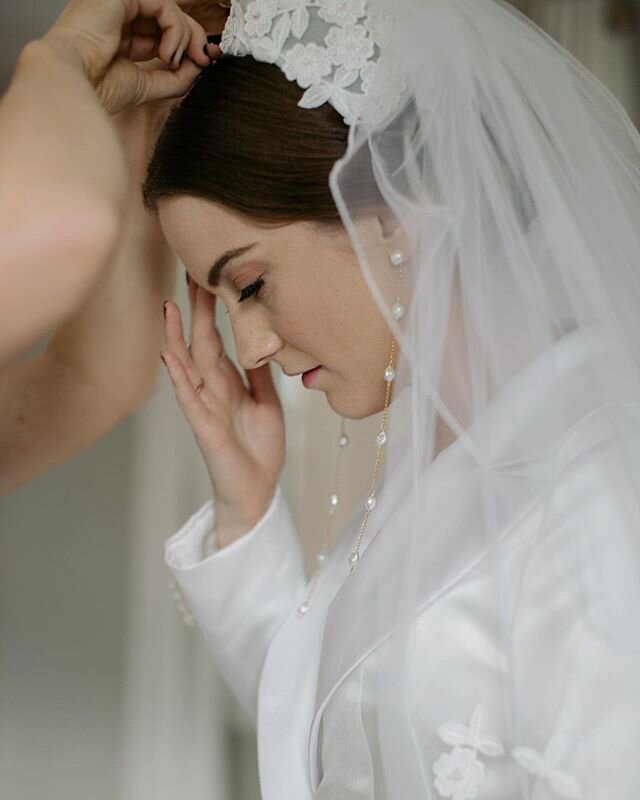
[306, 681]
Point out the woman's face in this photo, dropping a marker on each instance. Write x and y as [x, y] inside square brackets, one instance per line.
[312, 306]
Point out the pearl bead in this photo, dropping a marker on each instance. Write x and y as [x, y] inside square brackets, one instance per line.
[303, 608]
[397, 310]
[343, 441]
[371, 502]
[389, 374]
[397, 258]
[354, 558]
[334, 500]
[381, 438]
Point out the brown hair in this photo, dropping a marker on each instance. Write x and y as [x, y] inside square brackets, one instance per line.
[240, 139]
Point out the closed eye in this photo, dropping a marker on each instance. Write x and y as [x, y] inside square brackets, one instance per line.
[253, 288]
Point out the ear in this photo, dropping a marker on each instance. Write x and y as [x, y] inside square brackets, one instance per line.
[392, 234]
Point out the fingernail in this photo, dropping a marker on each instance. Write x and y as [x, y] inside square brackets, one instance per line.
[214, 38]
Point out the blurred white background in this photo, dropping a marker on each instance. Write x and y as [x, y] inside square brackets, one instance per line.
[104, 691]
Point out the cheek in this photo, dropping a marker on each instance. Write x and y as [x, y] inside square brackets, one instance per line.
[317, 316]
[299, 313]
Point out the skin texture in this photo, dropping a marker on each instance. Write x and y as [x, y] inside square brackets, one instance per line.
[315, 307]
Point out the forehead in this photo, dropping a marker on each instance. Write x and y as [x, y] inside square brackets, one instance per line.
[193, 225]
[190, 215]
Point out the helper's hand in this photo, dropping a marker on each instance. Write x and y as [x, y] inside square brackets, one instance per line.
[212, 17]
[240, 431]
[112, 37]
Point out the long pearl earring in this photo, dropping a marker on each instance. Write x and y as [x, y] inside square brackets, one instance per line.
[397, 259]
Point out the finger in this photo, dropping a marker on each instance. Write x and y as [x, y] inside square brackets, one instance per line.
[163, 84]
[170, 21]
[146, 27]
[206, 341]
[198, 48]
[261, 385]
[175, 343]
[139, 48]
[222, 367]
[192, 286]
[182, 45]
[188, 399]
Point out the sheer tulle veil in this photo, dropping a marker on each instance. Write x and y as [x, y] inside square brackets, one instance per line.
[515, 175]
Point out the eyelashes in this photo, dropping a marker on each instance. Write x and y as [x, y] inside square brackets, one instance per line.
[251, 289]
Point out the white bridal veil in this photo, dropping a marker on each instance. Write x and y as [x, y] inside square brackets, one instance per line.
[516, 175]
[497, 609]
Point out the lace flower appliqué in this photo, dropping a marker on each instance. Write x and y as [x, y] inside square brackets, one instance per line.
[306, 64]
[259, 17]
[342, 12]
[349, 47]
[331, 48]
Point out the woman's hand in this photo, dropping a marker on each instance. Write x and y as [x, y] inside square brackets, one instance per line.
[111, 36]
[240, 431]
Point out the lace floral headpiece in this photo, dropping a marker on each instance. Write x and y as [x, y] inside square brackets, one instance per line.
[331, 48]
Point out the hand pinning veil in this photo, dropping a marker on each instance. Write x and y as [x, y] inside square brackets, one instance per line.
[503, 604]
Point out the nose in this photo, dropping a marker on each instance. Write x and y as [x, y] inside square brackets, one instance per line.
[256, 341]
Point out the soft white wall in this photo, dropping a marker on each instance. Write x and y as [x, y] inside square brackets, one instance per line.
[63, 542]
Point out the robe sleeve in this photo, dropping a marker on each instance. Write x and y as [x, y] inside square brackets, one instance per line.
[239, 595]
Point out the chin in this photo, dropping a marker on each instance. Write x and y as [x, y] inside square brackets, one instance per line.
[354, 409]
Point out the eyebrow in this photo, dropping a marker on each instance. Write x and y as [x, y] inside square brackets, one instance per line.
[214, 273]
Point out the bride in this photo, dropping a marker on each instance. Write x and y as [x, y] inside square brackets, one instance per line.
[429, 209]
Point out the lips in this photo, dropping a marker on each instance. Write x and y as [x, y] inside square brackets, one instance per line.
[309, 377]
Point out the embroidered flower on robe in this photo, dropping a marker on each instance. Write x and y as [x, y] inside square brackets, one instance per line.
[545, 766]
[474, 735]
[459, 774]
